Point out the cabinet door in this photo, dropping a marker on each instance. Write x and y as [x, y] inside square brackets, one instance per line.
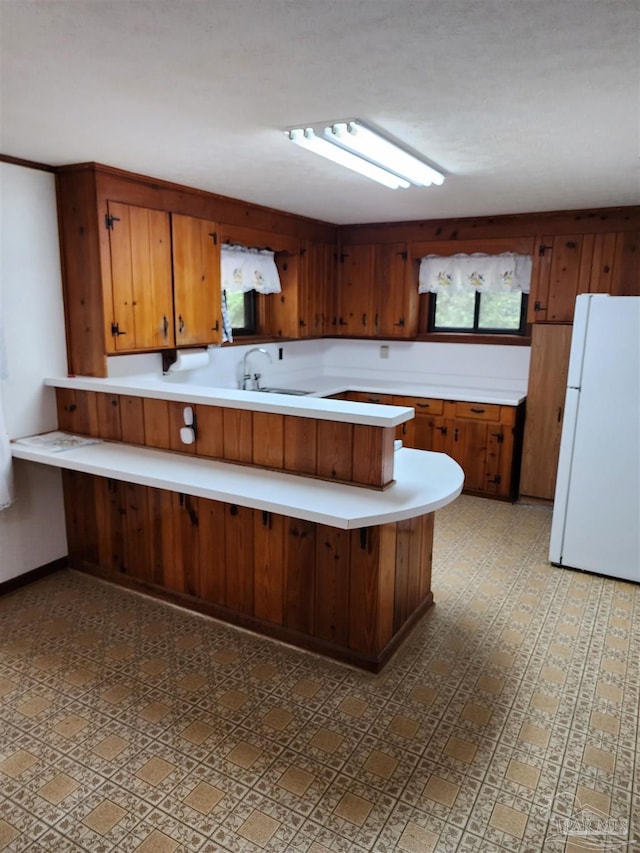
[468, 443]
[140, 247]
[396, 292]
[626, 268]
[566, 273]
[550, 347]
[281, 310]
[356, 291]
[196, 281]
[316, 286]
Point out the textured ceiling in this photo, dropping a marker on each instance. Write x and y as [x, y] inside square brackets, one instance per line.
[527, 105]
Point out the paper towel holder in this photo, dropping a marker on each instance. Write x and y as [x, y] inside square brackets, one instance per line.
[169, 357]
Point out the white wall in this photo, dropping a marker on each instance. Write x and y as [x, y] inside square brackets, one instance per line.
[32, 530]
[452, 365]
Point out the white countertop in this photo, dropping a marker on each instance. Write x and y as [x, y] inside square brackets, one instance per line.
[327, 384]
[308, 406]
[311, 406]
[424, 482]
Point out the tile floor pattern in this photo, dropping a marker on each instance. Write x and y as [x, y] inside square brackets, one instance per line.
[130, 725]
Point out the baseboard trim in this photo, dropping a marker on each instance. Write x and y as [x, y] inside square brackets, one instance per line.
[33, 575]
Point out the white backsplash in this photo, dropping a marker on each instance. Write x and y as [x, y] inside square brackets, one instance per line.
[464, 365]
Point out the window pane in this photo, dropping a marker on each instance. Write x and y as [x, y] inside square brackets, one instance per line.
[235, 307]
[499, 311]
[455, 310]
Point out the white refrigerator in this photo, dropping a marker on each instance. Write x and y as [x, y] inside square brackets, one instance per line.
[596, 512]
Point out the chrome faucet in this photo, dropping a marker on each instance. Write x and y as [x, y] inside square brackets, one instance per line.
[246, 376]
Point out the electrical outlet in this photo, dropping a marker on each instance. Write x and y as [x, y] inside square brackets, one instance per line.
[384, 351]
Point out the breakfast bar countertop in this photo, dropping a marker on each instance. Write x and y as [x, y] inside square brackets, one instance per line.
[424, 482]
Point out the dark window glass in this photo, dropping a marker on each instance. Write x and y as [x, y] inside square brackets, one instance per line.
[480, 313]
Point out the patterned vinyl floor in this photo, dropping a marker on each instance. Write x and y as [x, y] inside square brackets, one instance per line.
[508, 721]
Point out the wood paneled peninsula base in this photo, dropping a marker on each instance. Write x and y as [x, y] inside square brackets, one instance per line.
[337, 569]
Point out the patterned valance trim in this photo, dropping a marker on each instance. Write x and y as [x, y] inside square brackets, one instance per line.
[246, 269]
[506, 273]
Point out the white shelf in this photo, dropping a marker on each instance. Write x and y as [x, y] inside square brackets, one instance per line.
[424, 482]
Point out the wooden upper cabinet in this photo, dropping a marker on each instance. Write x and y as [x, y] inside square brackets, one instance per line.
[196, 281]
[396, 277]
[613, 261]
[625, 273]
[559, 274]
[280, 311]
[356, 306]
[140, 250]
[377, 291]
[316, 286]
[570, 264]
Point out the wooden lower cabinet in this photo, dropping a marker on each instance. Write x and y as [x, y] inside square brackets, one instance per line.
[350, 594]
[485, 439]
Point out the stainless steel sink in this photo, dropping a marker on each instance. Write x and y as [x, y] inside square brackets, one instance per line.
[296, 392]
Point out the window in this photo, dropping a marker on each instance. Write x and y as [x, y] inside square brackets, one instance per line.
[243, 273]
[482, 313]
[477, 293]
[242, 312]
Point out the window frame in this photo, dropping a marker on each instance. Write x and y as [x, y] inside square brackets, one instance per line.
[521, 331]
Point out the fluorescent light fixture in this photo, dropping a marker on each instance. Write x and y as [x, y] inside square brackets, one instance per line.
[357, 147]
[307, 139]
[364, 142]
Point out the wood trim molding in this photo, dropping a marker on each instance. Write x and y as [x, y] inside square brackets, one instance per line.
[34, 575]
[28, 164]
[461, 338]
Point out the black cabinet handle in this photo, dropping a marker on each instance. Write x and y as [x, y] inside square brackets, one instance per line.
[477, 411]
[422, 405]
[180, 324]
[165, 326]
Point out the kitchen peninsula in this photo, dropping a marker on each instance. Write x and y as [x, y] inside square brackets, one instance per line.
[297, 520]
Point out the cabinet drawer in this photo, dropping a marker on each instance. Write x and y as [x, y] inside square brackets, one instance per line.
[424, 405]
[481, 411]
[370, 397]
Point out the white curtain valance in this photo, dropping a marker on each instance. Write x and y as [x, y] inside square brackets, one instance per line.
[506, 273]
[245, 269]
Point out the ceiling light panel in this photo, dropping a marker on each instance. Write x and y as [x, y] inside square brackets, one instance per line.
[306, 138]
[357, 147]
[364, 142]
